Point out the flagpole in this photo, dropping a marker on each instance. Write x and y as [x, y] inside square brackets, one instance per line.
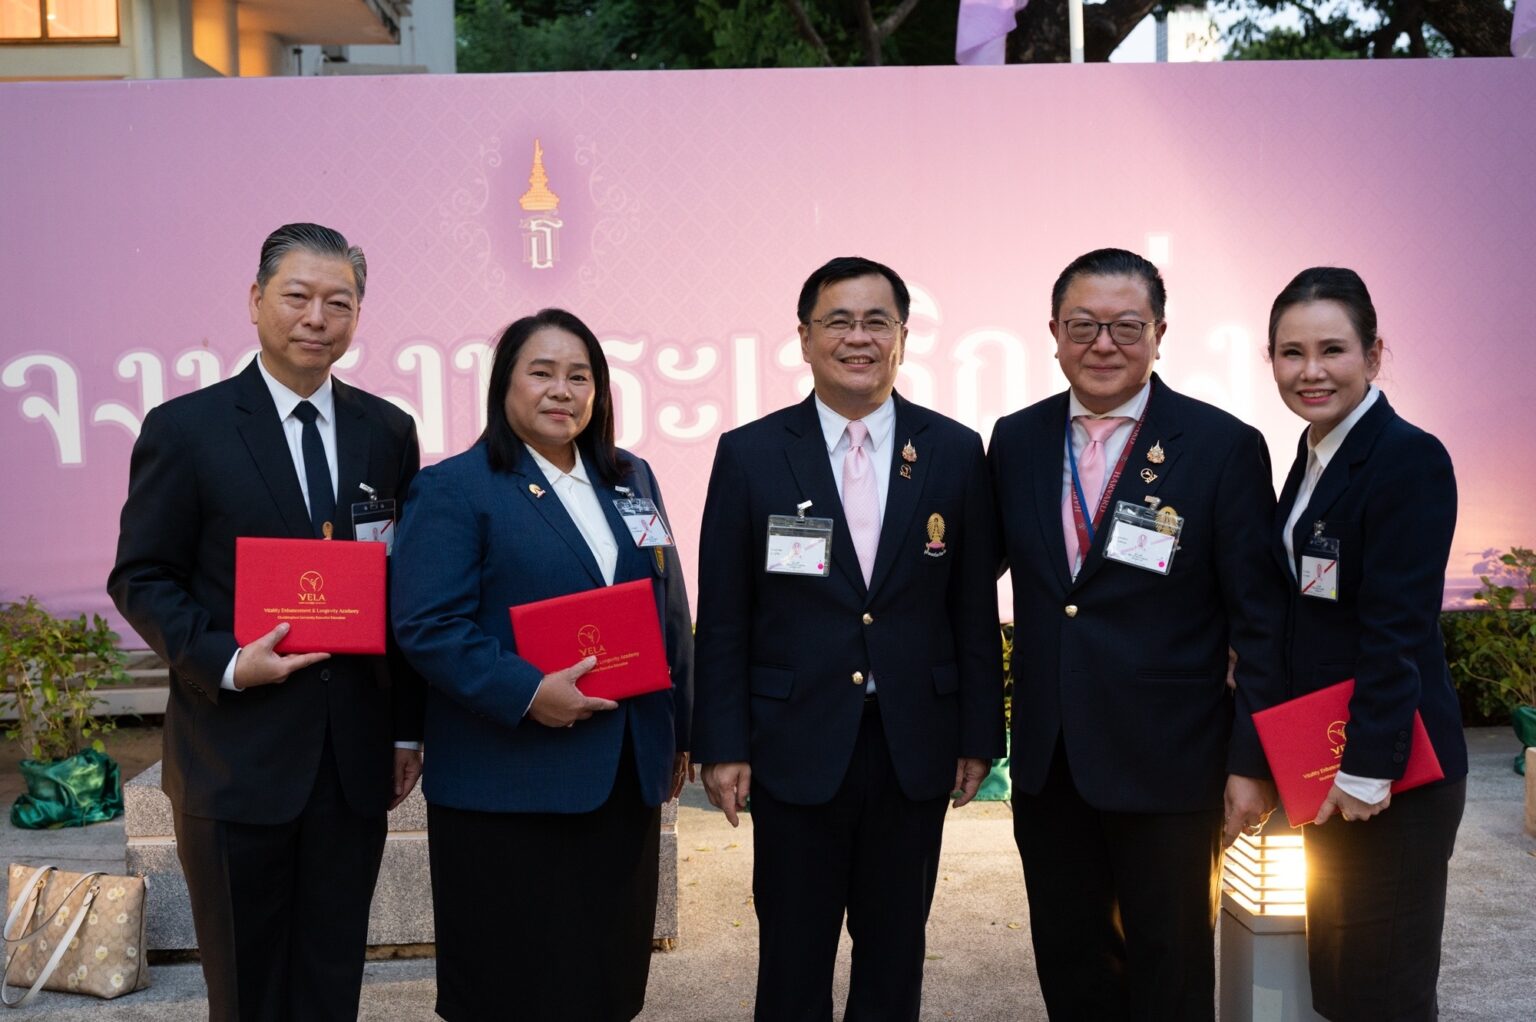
[1075, 29]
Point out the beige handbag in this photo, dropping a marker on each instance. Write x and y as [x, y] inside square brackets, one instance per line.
[79, 933]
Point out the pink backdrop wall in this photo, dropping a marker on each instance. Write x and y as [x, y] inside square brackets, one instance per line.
[692, 206]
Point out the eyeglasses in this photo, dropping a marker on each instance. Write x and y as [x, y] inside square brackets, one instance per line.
[878, 327]
[1122, 331]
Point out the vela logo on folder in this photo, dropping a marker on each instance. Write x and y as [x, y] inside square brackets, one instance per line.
[617, 624]
[1303, 740]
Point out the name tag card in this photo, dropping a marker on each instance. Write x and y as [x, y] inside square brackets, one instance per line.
[373, 521]
[1319, 577]
[1143, 538]
[646, 526]
[799, 546]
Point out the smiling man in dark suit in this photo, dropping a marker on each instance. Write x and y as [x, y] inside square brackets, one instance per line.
[848, 663]
[1134, 523]
[280, 768]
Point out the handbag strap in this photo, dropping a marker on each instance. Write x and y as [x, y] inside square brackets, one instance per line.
[63, 945]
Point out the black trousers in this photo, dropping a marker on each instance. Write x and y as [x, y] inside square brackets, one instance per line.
[1122, 906]
[546, 917]
[870, 851]
[1376, 907]
[281, 911]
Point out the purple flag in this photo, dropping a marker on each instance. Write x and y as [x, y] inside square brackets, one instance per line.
[981, 31]
[1522, 39]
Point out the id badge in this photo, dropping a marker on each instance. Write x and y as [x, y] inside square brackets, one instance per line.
[644, 521]
[1319, 576]
[1144, 538]
[373, 521]
[798, 545]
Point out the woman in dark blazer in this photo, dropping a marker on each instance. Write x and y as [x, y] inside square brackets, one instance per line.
[1364, 527]
[542, 803]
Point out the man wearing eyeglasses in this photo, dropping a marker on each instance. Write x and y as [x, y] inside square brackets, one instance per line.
[1135, 524]
[848, 666]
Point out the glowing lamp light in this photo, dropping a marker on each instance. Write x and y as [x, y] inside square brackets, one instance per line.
[1267, 875]
[1263, 928]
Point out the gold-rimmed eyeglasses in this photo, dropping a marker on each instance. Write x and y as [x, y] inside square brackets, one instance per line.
[878, 327]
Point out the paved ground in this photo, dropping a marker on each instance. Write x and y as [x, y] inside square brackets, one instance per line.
[980, 967]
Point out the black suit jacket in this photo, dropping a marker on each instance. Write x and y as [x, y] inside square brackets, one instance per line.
[211, 466]
[1389, 497]
[776, 654]
[1126, 666]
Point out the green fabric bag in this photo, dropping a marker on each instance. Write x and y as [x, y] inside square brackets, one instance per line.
[1524, 720]
[72, 792]
[997, 786]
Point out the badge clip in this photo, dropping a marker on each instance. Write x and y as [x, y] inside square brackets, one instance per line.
[368, 491]
[802, 507]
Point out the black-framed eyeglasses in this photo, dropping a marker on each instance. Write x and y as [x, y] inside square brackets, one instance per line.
[1123, 332]
[838, 325]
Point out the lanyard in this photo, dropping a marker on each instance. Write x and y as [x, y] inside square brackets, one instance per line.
[1086, 529]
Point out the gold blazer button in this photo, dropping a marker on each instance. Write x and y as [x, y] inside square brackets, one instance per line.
[858, 677]
[1071, 610]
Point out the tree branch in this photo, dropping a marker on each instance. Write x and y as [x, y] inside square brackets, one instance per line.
[869, 35]
[893, 20]
[808, 31]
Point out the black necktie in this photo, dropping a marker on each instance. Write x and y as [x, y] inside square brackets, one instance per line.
[317, 472]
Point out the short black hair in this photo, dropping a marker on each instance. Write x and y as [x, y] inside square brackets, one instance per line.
[503, 449]
[1328, 284]
[847, 268]
[1112, 262]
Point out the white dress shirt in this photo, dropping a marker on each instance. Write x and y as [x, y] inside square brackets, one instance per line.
[1319, 455]
[324, 400]
[1113, 447]
[580, 500]
[881, 424]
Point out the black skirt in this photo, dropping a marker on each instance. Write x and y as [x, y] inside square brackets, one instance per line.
[545, 917]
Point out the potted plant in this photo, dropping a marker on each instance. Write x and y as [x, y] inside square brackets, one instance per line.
[1500, 647]
[50, 668]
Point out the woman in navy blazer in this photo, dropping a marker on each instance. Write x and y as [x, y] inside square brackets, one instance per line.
[1364, 527]
[542, 803]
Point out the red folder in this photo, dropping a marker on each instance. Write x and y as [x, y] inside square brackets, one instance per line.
[1303, 740]
[616, 624]
[331, 593]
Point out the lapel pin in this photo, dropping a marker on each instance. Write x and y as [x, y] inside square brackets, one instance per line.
[1148, 476]
[1167, 521]
[1155, 453]
[326, 530]
[536, 489]
[906, 471]
[909, 454]
[935, 547]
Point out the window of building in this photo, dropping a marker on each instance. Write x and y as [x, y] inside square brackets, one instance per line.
[58, 21]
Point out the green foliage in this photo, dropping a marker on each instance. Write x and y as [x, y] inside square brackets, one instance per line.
[1493, 652]
[51, 667]
[1008, 674]
[1286, 44]
[754, 33]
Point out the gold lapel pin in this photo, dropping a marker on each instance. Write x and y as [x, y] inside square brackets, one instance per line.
[536, 489]
[1155, 453]
[906, 471]
[1148, 476]
[327, 530]
[909, 453]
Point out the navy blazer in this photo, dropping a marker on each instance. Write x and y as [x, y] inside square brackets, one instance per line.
[474, 543]
[1127, 666]
[778, 654]
[211, 466]
[1389, 497]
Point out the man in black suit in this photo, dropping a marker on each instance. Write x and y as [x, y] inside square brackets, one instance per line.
[849, 683]
[1133, 757]
[280, 768]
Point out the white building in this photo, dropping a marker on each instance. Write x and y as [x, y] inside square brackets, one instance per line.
[107, 39]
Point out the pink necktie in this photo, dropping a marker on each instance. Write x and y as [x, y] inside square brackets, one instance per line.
[861, 498]
[1090, 469]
